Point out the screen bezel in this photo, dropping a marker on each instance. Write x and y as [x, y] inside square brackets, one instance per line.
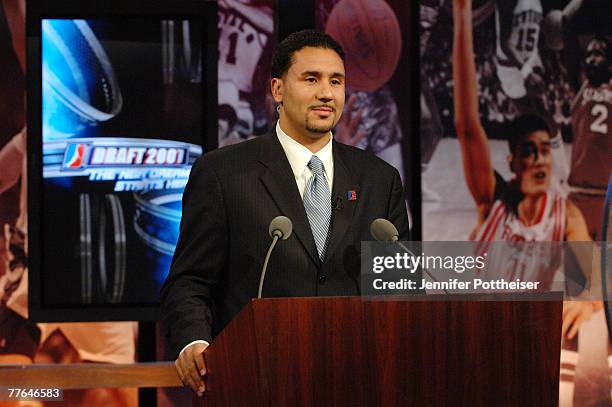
[38, 10]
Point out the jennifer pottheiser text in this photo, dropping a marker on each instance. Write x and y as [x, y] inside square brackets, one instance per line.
[455, 284]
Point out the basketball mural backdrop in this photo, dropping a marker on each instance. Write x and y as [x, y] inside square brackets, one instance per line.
[369, 32]
[122, 125]
[515, 102]
[246, 40]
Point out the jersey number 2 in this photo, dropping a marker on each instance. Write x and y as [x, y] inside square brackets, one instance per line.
[599, 125]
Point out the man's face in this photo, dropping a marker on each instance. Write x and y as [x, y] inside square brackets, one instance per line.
[597, 66]
[531, 161]
[311, 93]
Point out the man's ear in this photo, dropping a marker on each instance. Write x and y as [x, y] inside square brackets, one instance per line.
[276, 86]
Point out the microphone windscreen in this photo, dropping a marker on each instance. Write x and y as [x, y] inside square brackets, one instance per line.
[383, 230]
[281, 225]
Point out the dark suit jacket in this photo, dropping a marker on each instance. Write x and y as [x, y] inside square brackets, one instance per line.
[232, 195]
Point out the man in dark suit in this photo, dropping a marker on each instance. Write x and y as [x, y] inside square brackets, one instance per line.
[331, 192]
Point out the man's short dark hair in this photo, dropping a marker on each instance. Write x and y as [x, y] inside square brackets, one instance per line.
[603, 39]
[283, 54]
[518, 129]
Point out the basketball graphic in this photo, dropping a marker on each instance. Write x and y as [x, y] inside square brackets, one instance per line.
[369, 32]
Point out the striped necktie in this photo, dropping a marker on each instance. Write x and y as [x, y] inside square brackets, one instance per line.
[317, 203]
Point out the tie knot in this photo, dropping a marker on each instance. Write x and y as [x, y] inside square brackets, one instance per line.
[316, 165]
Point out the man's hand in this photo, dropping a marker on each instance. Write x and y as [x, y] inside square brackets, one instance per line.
[575, 313]
[191, 367]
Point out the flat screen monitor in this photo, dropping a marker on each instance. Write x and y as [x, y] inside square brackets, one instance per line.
[121, 103]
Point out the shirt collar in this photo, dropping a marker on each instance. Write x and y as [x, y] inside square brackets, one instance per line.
[299, 156]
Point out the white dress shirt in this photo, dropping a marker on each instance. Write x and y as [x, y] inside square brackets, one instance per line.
[298, 157]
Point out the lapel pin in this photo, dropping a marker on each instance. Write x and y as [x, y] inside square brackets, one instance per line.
[351, 195]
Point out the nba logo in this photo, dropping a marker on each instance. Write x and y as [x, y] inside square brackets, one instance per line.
[351, 195]
[74, 156]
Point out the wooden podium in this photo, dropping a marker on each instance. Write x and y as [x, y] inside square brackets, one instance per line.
[354, 351]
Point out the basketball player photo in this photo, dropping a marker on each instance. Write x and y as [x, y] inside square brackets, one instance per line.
[512, 188]
[246, 40]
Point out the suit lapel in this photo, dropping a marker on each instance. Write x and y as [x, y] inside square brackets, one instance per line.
[344, 209]
[280, 182]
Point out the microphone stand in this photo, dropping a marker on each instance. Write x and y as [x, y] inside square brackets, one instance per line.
[277, 235]
[407, 250]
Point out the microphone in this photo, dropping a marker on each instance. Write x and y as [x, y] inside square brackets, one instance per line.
[280, 228]
[384, 231]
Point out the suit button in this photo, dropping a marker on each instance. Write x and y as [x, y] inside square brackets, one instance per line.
[322, 279]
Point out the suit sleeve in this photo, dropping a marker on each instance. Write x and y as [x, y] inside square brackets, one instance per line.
[199, 258]
[397, 211]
